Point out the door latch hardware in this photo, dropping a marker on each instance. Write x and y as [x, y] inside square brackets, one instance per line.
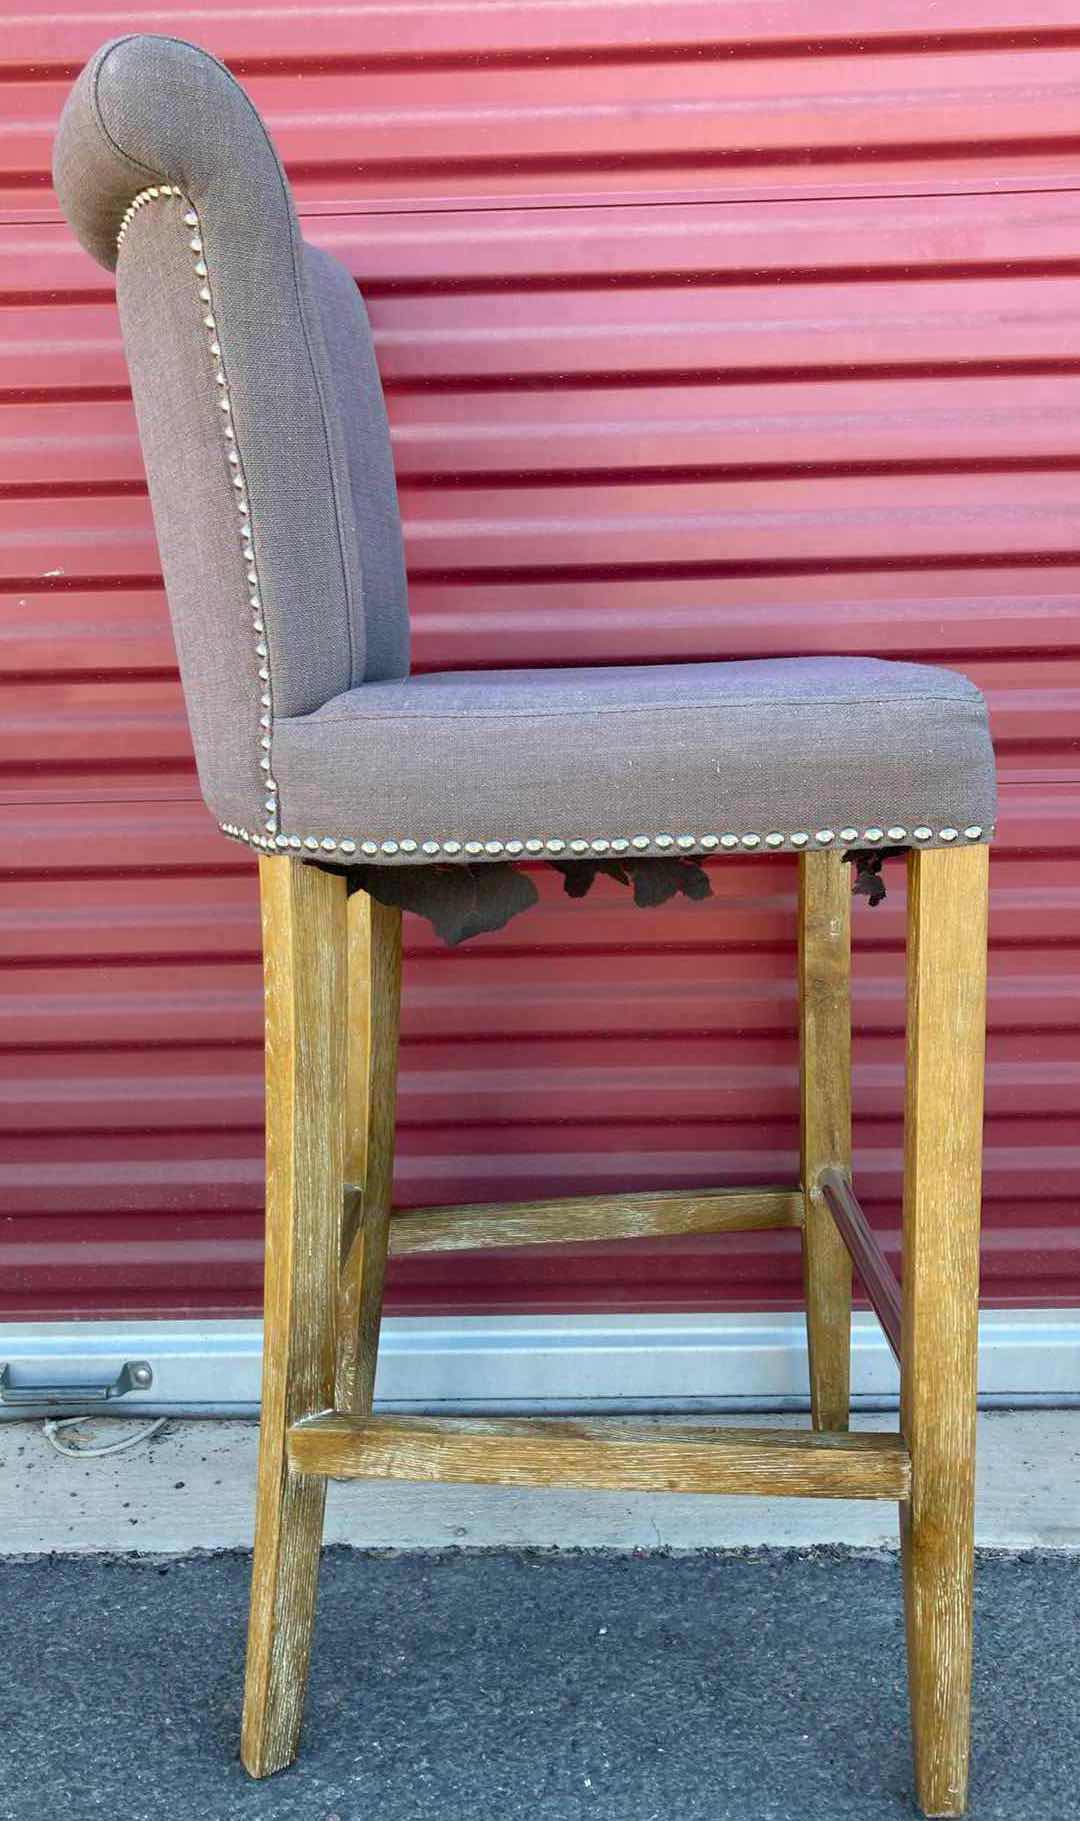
[135, 1375]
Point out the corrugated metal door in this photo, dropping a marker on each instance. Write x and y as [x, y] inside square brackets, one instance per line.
[706, 330]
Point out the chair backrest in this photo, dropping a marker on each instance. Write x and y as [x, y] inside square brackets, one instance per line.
[258, 400]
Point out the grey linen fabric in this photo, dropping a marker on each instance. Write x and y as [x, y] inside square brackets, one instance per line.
[149, 110]
[310, 735]
[780, 745]
[358, 389]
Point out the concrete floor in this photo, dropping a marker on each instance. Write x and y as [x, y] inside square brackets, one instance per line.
[192, 1488]
[762, 1686]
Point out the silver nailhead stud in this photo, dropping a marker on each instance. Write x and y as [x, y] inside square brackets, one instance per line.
[620, 844]
[800, 839]
[310, 842]
[751, 840]
[451, 847]
[972, 834]
[579, 847]
[874, 834]
[922, 834]
[949, 834]
[896, 834]
[389, 847]
[534, 846]
[328, 844]
[729, 840]
[408, 846]
[849, 834]
[295, 841]
[640, 841]
[710, 841]
[514, 847]
[774, 840]
[348, 847]
[474, 847]
[430, 847]
[600, 846]
[665, 840]
[493, 847]
[686, 841]
[824, 835]
[555, 846]
[369, 847]
[191, 219]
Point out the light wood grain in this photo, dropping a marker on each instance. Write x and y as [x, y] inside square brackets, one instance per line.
[304, 961]
[549, 1223]
[940, 1288]
[374, 966]
[825, 1072]
[602, 1454]
[873, 1269]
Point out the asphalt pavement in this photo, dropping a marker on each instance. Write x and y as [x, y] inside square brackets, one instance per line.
[762, 1684]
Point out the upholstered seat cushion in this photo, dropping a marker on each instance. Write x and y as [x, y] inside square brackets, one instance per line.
[784, 753]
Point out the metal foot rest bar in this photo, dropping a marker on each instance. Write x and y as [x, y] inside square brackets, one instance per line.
[602, 1454]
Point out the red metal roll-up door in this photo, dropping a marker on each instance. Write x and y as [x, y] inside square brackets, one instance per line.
[707, 330]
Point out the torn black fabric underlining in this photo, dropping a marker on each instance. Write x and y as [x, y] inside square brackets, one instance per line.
[464, 901]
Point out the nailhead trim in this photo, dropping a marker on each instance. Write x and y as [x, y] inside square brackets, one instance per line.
[274, 840]
[250, 570]
[535, 846]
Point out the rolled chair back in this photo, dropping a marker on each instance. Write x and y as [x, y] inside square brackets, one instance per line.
[258, 402]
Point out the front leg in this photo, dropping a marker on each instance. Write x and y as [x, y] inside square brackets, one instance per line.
[305, 973]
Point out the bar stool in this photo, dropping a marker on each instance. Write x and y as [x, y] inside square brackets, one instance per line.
[265, 440]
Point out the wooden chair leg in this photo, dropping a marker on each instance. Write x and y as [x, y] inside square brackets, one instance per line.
[825, 1056]
[370, 1104]
[304, 959]
[942, 1164]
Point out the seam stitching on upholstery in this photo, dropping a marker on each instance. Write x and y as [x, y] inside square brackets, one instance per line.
[321, 718]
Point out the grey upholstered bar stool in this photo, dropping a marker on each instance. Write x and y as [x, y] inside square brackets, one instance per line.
[266, 448]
